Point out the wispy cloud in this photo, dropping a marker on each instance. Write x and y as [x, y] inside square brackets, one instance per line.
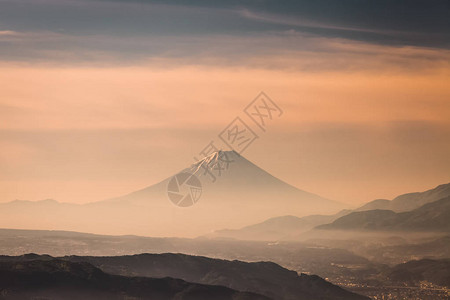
[286, 50]
[303, 22]
[8, 33]
[156, 29]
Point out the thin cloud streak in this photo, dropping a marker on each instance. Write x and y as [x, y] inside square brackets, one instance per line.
[303, 22]
[281, 50]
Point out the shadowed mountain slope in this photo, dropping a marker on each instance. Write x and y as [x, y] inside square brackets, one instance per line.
[433, 217]
[409, 201]
[291, 227]
[32, 278]
[265, 278]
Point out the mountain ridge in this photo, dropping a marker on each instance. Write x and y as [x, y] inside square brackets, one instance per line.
[260, 278]
[432, 217]
[277, 228]
[32, 278]
[291, 227]
[409, 201]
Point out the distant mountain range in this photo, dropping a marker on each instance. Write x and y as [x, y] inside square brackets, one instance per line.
[49, 278]
[431, 217]
[410, 201]
[291, 227]
[239, 193]
[277, 228]
[261, 278]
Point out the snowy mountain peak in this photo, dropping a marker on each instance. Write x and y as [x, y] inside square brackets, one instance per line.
[220, 159]
[215, 156]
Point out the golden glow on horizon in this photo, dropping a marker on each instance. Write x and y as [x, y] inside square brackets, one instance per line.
[194, 102]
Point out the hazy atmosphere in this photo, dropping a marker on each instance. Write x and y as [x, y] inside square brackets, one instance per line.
[224, 150]
[100, 98]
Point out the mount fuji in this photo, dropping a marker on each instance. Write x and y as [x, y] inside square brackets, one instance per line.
[222, 190]
[228, 178]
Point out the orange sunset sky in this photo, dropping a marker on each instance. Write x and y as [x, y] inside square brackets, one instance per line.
[94, 107]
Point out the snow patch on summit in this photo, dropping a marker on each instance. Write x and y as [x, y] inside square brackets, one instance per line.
[218, 160]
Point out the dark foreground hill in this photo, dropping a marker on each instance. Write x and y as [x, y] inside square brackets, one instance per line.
[431, 217]
[62, 279]
[264, 278]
